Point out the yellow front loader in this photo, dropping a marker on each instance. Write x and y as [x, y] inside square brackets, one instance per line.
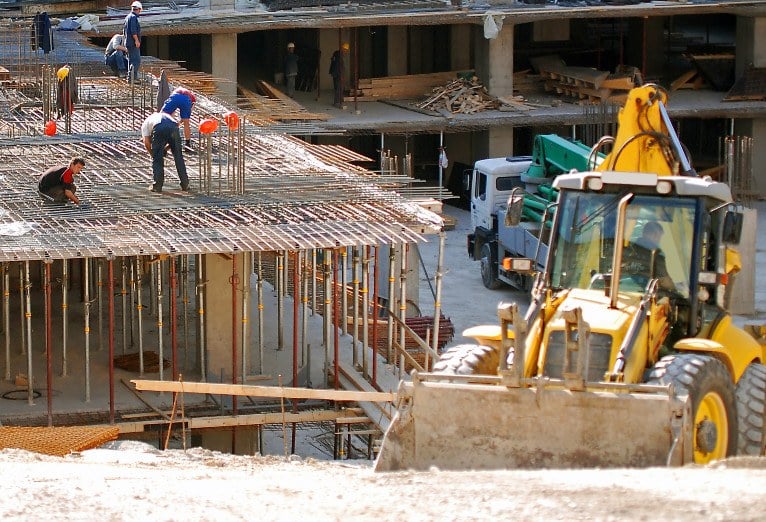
[626, 355]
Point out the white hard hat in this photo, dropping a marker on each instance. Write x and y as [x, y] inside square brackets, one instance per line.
[136, 5]
[290, 45]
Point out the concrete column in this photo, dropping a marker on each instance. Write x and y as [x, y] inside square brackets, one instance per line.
[224, 62]
[460, 47]
[500, 141]
[500, 64]
[218, 313]
[397, 50]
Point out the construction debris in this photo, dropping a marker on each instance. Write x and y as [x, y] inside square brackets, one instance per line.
[402, 87]
[468, 96]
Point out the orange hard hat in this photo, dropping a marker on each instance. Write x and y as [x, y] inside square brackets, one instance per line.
[50, 128]
[208, 126]
[232, 120]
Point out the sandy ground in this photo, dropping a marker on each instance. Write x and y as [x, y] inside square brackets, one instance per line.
[129, 480]
[133, 481]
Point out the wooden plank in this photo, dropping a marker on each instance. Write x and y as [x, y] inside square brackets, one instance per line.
[682, 80]
[261, 391]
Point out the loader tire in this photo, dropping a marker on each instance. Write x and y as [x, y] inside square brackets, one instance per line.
[707, 381]
[488, 260]
[468, 359]
[751, 408]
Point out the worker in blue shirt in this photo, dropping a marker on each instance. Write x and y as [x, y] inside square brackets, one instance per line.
[183, 100]
[132, 39]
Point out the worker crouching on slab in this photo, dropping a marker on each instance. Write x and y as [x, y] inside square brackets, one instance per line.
[57, 183]
[160, 131]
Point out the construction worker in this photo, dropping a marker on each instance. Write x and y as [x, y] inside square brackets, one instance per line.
[183, 100]
[291, 69]
[159, 132]
[115, 56]
[336, 70]
[131, 32]
[57, 183]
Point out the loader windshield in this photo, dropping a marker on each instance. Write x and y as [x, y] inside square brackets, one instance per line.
[657, 242]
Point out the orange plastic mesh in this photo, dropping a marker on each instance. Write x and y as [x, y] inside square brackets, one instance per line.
[58, 441]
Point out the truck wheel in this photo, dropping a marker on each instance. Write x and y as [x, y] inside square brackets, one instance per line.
[751, 405]
[707, 381]
[468, 359]
[489, 267]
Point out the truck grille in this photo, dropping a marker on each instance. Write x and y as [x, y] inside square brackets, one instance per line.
[600, 353]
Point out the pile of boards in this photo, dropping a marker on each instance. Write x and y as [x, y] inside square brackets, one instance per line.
[469, 96]
[403, 87]
[586, 85]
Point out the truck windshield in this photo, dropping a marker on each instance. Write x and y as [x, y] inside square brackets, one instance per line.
[658, 241]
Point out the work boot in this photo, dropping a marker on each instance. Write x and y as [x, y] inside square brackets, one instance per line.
[185, 187]
[155, 188]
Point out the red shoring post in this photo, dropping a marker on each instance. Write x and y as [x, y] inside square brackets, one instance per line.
[375, 314]
[173, 319]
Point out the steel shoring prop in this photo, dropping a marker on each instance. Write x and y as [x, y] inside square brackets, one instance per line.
[391, 302]
[305, 313]
[234, 281]
[110, 290]
[259, 290]
[139, 315]
[132, 300]
[335, 321]
[245, 334]
[200, 294]
[22, 315]
[327, 271]
[64, 313]
[185, 304]
[160, 330]
[124, 300]
[365, 308]
[28, 316]
[375, 315]
[344, 285]
[100, 298]
[437, 299]
[279, 280]
[173, 317]
[355, 319]
[6, 318]
[403, 306]
[86, 324]
[296, 333]
[48, 341]
[313, 281]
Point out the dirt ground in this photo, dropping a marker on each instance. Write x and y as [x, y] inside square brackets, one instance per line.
[134, 481]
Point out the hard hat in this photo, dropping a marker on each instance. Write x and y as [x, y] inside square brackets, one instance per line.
[345, 46]
[62, 73]
[290, 45]
[136, 5]
[208, 126]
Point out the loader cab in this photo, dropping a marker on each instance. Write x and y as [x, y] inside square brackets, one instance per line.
[641, 228]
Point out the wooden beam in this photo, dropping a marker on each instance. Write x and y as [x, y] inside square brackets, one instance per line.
[262, 391]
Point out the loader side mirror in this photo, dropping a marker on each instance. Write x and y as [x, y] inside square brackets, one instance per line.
[514, 206]
[732, 227]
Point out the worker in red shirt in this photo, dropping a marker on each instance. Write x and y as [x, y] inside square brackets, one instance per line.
[57, 183]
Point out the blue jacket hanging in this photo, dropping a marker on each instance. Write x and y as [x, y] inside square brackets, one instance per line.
[42, 33]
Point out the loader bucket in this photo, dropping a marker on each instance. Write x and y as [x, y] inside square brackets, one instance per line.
[461, 426]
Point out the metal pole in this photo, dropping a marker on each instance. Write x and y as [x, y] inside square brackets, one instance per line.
[200, 289]
[245, 313]
[355, 320]
[100, 297]
[304, 315]
[365, 308]
[110, 273]
[375, 315]
[28, 316]
[336, 319]
[344, 285]
[86, 318]
[326, 314]
[140, 315]
[234, 284]
[6, 319]
[173, 318]
[124, 296]
[280, 300]
[158, 272]
[390, 305]
[64, 312]
[438, 298]
[259, 289]
[403, 307]
[48, 341]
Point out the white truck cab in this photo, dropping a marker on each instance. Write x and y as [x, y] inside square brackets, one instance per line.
[492, 181]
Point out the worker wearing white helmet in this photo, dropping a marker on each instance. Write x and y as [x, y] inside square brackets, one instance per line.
[291, 69]
[132, 39]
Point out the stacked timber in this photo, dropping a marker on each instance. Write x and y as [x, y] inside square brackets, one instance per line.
[403, 87]
[588, 85]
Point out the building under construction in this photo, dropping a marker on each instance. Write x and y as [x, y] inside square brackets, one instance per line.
[285, 265]
[301, 220]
